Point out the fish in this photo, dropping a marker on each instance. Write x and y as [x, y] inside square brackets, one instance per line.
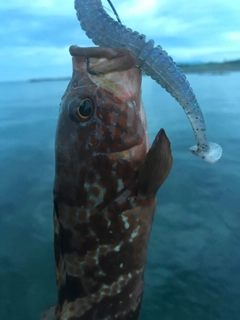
[154, 61]
[106, 180]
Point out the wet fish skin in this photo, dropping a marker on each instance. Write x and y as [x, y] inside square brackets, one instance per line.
[104, 190]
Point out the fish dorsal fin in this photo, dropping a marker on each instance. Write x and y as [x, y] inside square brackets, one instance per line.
[155, 167]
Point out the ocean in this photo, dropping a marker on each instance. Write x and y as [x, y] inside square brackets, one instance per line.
[193, 265]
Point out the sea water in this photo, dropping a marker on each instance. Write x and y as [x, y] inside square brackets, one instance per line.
[193, 265]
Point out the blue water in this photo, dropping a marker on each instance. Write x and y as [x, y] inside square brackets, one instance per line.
[193, 267]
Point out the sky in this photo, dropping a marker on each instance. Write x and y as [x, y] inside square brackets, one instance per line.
[35, 35]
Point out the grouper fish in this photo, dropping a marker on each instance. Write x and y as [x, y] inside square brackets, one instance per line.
[106, 180]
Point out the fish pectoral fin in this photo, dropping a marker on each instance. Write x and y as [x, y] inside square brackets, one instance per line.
[49, 313]
[156, 166]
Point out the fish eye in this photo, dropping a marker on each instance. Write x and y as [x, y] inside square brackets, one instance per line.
[80, 108]
[85, 109]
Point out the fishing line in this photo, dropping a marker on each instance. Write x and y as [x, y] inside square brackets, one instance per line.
[114, 10]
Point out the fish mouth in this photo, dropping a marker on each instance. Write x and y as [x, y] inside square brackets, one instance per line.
[111, 69]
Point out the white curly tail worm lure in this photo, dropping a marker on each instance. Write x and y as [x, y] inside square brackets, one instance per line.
[106, 32]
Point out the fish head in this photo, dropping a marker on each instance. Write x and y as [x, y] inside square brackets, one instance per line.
[101, 122]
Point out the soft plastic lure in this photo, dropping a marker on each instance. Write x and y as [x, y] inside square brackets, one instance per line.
[154, 61]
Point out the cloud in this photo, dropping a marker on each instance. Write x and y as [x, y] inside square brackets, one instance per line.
[138, 8]
[22, 27]
[43, 7]
[35, 35]
[232, 35]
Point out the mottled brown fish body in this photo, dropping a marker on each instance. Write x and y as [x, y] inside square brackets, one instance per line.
[103, 203]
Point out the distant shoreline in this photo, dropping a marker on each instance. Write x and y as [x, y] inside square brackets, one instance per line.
[199, 68]
[49, 79]
[211, 67]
